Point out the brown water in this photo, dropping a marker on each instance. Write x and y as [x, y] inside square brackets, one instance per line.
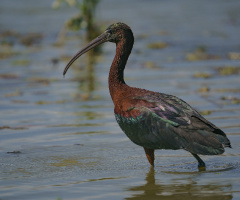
[58, 136]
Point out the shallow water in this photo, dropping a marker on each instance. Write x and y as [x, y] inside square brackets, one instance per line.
[58, 136]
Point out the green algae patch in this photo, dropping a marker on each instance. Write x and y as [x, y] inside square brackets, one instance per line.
[231, 99]
[157, 45]
[202, 75]
[41, 80]
[150, 65]
[57, 161]
[200, 53]
[228, 70]
[22, 62]
[14, 94]
[41, 102]
[206, 112]
[204, 89]
[223, 90]
[7, 52]
[9, 76]
[234, 55]
[30, 39]
[12, 128]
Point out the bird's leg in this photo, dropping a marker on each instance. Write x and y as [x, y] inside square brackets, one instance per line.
[201, 164]
[150, 155]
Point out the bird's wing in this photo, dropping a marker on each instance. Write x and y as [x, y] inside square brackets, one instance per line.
[174, 111]
[169, 108]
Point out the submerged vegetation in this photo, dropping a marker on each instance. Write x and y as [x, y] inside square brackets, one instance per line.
[200, 53]
[83, 20]
[10, 39]
[84, 23]
[228, 70]
[157, 45]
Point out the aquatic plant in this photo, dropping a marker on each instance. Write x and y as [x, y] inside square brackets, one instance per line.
[83, 20]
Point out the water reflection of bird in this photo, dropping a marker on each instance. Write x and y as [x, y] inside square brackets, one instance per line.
[185, 187]
[150, 119]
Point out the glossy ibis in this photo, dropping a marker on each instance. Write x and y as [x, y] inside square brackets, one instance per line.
[154, 120]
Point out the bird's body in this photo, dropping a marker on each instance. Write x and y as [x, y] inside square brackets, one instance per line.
[160, 121]
[150, 119]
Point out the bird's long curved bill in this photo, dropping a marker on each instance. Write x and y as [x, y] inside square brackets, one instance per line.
[99, 40]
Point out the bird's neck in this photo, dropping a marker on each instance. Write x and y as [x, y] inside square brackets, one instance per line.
[116, 74]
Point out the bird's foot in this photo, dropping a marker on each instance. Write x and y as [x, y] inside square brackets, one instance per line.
[201, 164]
[201, 167]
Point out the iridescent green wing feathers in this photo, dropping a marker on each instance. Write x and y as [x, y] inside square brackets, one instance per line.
[177, 112]
[169, 108]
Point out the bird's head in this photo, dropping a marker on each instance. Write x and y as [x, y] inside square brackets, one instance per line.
[114, 33]
[117, 31]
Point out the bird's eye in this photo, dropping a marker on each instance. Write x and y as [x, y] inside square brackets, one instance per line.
[109, 31]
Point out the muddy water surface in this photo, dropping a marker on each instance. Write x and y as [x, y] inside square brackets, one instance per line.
[58, 136]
